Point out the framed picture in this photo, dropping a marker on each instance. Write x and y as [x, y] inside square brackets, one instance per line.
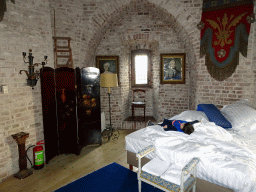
[173, 68]
[108, 64]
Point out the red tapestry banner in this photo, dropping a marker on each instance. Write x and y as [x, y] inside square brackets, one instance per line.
[225, 29]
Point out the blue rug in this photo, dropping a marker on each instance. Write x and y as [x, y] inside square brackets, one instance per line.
[112, 178]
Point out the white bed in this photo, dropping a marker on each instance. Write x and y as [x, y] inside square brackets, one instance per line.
[227, 156]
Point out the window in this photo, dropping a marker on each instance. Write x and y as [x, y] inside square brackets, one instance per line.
[140, 68]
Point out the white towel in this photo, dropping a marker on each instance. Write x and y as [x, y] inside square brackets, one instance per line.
[156, 167]
[173, 175]
[167, 171]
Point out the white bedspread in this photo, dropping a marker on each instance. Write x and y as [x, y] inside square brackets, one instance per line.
[223, 160]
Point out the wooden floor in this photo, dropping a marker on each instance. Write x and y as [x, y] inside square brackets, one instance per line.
[64, 169]
[140, 118]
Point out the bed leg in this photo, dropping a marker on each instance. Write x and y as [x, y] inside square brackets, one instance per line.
[194, 188]
[139, 185]
[131, 167]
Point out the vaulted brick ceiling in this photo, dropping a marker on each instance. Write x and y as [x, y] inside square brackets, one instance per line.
[103, 20]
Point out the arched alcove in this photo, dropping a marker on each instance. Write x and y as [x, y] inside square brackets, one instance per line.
[109, 24]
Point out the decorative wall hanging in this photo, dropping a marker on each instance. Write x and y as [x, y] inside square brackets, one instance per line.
[225, 27]
[173, 68]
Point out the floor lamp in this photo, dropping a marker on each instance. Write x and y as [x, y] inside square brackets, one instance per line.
[109, 80]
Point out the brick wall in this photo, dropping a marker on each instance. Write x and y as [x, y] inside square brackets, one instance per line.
[116, 23]
[71, 19]
[26, 25]
[141, 26]
[109, 28]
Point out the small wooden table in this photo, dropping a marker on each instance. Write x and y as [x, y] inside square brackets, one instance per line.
[21, 139]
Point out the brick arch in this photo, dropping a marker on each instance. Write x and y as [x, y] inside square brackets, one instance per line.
[111, 13]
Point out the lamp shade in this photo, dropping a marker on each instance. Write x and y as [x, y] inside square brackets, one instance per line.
[108, 80]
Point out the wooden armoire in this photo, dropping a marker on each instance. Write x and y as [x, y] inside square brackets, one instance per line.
[71, 109]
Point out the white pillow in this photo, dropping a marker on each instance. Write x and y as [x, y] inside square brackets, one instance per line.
[239, 114]
[190, 116]
[246, 102]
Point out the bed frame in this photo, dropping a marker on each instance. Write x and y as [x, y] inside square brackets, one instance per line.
[201, 185]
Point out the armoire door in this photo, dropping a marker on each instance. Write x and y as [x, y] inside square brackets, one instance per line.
[89, 112]
[66, 110]
[49, 113]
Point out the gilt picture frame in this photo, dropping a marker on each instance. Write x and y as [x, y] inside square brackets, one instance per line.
[172, 68]
[108, 64]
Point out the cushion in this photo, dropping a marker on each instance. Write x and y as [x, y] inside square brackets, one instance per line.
[156, 166]
[214, 115]
[239, 114]
[245, 102]
[190, 116]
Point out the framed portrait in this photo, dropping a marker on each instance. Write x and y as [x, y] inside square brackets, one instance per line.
[108, 64]
[173, 68]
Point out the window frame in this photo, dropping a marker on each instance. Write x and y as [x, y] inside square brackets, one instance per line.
[133, 54]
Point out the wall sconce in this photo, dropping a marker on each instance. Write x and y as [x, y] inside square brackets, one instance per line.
[31, 74]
